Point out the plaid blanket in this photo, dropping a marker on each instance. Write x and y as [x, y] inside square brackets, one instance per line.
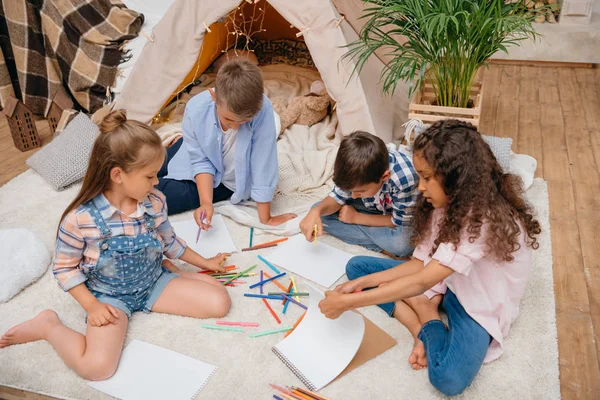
[47, 44]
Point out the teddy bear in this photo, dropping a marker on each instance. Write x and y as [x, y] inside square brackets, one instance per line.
[303, 110]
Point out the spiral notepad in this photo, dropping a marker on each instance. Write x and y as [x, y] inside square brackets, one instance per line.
[320, 349]
[150, 372]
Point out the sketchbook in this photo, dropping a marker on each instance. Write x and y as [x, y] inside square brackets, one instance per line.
[216, 240]
[321, 350]
[320, 263]
[147, 372]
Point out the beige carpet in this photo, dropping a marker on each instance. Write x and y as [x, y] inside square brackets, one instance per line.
[527, 370]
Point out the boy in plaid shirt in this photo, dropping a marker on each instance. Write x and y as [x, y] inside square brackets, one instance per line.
[371, 203]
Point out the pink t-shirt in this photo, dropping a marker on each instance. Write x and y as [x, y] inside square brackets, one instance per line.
[490, 291]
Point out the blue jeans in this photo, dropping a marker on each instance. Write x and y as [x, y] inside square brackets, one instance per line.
[454, 354]
[183, 195]
[376, 238]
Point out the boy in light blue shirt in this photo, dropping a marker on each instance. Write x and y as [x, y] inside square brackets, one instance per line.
[228, 149]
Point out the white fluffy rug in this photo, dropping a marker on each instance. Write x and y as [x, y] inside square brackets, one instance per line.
[527, 370]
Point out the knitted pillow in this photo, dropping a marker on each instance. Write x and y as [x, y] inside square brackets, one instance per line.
[64, 160]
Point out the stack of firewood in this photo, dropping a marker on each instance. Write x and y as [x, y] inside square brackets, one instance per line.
[542, 10]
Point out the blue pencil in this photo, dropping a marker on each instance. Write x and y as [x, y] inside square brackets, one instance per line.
[263, 296]
[269, 265]
[267, 280]
[287, 303]
[277, 397]
[294, 301]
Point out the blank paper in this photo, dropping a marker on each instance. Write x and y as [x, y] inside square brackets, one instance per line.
[147, 372]
[321, 263]
[216, 240]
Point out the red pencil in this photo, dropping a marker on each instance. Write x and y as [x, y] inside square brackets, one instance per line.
[272, 312]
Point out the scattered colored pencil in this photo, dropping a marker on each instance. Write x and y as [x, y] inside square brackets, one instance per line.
[295, 302]
[269, 265]
[272, 312]
[300, 394]
[300, 294]
[277, 283]
[286, 302]
[295, 288]
[289, 289]
[227, 268]
[251, 236]
[240, 274]
[258, 248]
[277, 397]
[277, 241]
[223, 328]
[307, 392]
[261, 278]
[262, 296]
[296, 324]
[267, 280]
[200, 229]
[272, 331]
[316, 233]
[287, 394]
[233, 323]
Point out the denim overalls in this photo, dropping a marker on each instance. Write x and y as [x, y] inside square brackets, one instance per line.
[128, 274]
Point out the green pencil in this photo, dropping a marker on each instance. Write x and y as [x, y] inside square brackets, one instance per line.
[302, 294]
[223, 328]
[255, 335]
[238, 275]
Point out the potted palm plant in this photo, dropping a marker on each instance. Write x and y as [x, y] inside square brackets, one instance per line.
[437, 47]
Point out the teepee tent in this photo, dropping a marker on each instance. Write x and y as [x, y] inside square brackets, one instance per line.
[192, 34]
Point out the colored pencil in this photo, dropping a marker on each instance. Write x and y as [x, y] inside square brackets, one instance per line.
[295, 288]
[272, 312]
[286, 303]
[316, 233]
[233, 323]
[301, 294]
[223, 328]
[227, 268]
[271, 242]
[262, 296]
[200, 229]
[294, 301]
[258, 248]
[287, 394]
[310, 393]
[289, 289]
[240, 274]
[269, 264]
[277, 283]
[295, 324]
[299, 394]
[261, 278]
[277, 397]
[251, 236]
[267, 280]
[272, 331]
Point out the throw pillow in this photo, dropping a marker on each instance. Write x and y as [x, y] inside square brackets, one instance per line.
[64, 160]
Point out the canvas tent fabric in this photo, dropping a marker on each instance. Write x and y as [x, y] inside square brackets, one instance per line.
[177, 41]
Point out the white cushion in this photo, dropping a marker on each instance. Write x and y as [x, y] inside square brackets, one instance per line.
[23, 260]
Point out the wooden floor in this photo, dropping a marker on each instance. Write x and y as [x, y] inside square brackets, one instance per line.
[552, 114]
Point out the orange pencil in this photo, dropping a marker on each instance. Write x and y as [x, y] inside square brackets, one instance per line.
[270, 243]
[309, 393]
[288, 290]
[295, 324]
[277, 283]
[272, 312]
[301, 395]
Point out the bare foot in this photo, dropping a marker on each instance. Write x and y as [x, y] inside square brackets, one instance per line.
[426, 309]
[30, 331]
[417, 358]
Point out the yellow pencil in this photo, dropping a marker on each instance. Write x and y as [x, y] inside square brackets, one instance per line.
[316, 232]
[294, 286]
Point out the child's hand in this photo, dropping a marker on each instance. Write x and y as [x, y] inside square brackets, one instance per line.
[208, 211]
[280, 219]
[100, 314]
[353, 286]
[307, 225]
[333, 305]
[217, 263]
[348, 215]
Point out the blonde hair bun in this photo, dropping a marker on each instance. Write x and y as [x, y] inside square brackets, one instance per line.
[113, 120]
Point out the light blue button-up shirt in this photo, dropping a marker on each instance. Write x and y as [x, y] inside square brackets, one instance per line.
[255, 164]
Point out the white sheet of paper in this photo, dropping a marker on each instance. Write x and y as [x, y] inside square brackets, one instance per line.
[321, 348]
[216, 240]
[321, 263]
[147, 371]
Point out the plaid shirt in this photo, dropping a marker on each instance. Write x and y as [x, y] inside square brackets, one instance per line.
[78, 242]
[398, 194]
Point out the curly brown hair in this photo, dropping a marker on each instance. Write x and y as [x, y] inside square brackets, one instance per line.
[478, 192]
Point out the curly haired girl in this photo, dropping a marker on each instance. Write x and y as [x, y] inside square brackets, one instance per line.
[475, 234]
